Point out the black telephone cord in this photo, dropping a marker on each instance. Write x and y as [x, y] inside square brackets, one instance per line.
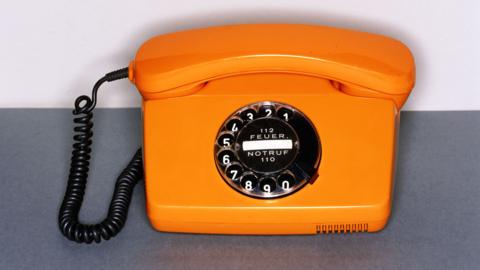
[68, 221]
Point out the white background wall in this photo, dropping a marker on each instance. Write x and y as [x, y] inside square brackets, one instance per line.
[54, 50]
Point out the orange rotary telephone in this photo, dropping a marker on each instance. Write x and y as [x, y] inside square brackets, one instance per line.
[256, 129]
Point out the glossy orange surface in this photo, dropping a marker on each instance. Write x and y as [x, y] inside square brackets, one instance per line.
[350, 84]
[169, 65]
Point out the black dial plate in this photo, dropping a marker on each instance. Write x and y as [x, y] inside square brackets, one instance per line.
[267, 145]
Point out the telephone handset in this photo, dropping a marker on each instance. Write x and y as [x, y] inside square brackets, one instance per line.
[256, 129]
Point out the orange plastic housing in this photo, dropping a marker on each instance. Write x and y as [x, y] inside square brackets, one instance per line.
[350, 84]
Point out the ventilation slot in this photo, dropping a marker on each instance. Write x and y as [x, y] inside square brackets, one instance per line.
[342, 228]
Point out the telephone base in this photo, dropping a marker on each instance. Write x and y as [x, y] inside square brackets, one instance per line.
[269, 229]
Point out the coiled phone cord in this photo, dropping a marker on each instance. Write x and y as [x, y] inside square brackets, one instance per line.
[68, 220]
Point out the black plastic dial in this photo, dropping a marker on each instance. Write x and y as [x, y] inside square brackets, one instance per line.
[267, 150]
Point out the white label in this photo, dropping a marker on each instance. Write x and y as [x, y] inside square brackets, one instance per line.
[267, 145]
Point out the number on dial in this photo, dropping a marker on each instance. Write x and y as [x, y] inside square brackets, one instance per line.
[249, 182]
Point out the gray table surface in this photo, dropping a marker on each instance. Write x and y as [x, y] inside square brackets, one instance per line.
[434, 224]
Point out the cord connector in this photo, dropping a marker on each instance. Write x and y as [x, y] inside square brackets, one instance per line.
[117, 74]
[85, 104]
